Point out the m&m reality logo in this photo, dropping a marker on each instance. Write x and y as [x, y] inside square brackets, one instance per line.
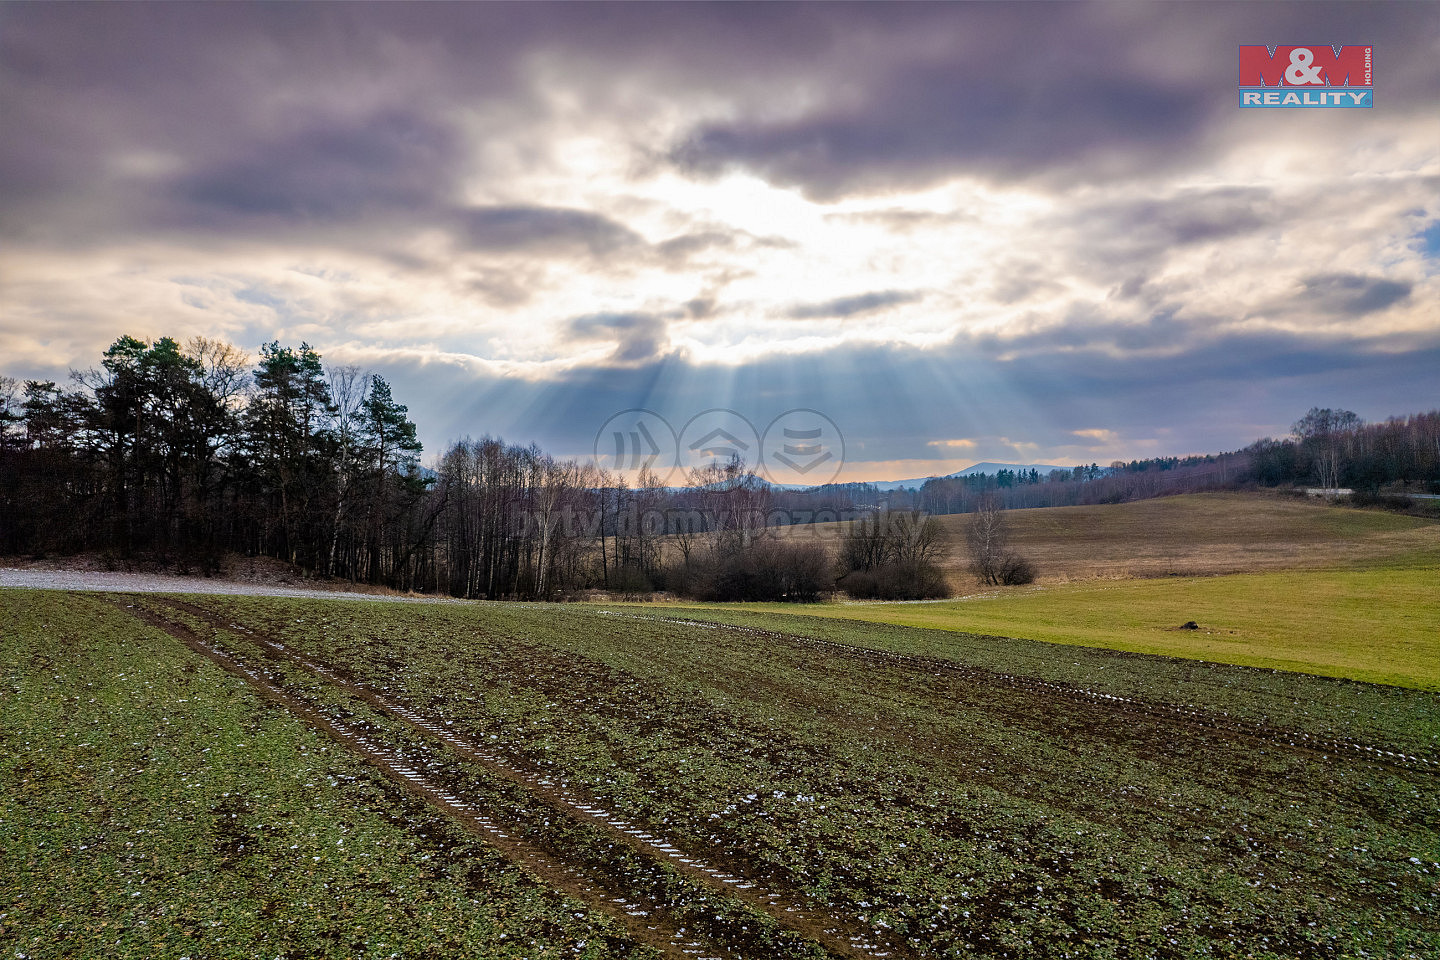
[1314, 76]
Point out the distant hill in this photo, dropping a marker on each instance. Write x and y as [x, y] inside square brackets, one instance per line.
[1202, 534]
[987, 467]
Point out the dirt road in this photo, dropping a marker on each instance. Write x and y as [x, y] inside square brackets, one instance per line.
[109, 582]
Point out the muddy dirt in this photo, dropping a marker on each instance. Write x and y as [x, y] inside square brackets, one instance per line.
[784, 908]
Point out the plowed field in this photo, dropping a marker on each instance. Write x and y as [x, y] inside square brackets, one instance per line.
[213, 776]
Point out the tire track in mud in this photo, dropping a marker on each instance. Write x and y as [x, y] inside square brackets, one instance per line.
[839, 937]
[658, 934]
[1295, 740]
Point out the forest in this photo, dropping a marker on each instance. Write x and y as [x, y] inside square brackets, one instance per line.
[184, 454]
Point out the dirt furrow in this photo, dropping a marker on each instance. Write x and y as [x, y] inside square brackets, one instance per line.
[652, 931]
[838, 936]
[1295, 740]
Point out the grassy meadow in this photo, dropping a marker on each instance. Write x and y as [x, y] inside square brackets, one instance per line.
[1270, 582]
[1380, 625]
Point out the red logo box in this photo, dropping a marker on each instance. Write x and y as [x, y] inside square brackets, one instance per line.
[1316, 65]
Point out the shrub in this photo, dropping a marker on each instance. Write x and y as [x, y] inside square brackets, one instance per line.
[988, 537]
[767, 569]
[895, 581]
[1015, 571]
[630, 582]
[893, 556]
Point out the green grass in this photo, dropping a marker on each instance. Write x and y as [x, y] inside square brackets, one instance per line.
[966, 817]
[1380, 625]
[1272, 582]
[957, 815]
[152, 806]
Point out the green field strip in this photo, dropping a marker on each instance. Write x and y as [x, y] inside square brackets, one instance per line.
[1378, 625]
[152, 805]
[918, 799]
[839, 936]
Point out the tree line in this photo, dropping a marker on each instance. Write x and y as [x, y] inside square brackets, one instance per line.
[191, 452]
[184, 454]
[1330, 449]
[1336, 449]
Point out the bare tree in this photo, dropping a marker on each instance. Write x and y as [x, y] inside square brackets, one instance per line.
[224, 369]
[12, 414]
[988, 537]
[916, 537]
[348, 389]
[1327, 435]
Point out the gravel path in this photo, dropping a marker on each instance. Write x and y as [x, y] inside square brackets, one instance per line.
[156, 583]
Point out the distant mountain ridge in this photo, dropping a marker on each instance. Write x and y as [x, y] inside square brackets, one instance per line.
[987, 467]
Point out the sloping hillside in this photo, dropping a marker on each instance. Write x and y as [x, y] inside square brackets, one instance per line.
[1197, 534]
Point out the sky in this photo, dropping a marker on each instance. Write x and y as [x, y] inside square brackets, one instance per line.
[911, 237]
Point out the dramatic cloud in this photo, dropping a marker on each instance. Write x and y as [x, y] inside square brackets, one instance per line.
[637, 336]
[543, 229]
[928, 121]
[1060, 93]
[325, 173]
[891, 402]
[1352, 295]
[850, 306]
[1032, 227]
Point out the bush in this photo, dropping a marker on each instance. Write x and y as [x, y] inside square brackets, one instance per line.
[895, 581]
[630, 582]
[1015, 571]
[1386, 501]
[893, 556]
[768, 569]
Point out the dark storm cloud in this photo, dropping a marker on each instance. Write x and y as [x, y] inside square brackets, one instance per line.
[1055, 93]
[850, 306]
[543, 229]
[927, 123]
[893, 95]
[637, 336]
[222, 91]
[327, 172]
[1350, 295]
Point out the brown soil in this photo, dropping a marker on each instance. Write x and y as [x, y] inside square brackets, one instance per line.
[839, 937]
[1193, 535]
[1167, 713]
[533, 860]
